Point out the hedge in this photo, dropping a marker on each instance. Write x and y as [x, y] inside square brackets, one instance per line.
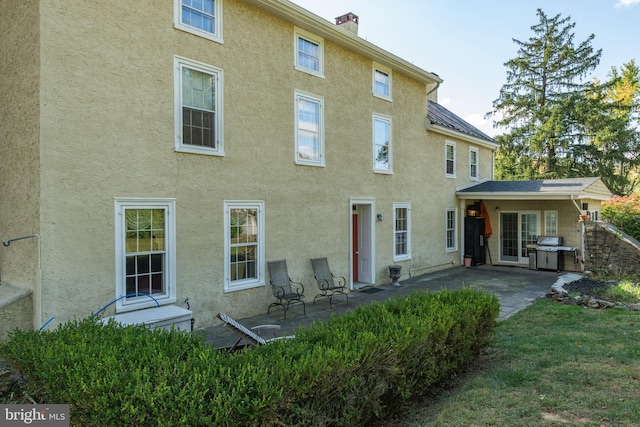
[346, 371]
[624, 213]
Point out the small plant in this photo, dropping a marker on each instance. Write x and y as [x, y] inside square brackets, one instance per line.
[626, 292]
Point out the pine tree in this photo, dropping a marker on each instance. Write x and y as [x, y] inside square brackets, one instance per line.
[544, 84]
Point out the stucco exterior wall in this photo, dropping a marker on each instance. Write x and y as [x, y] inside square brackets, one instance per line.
[19, 149]
[107, 131]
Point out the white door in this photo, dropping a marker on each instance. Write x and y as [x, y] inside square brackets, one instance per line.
[362, 242]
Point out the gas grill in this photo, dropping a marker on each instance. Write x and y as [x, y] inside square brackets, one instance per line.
[549, 252]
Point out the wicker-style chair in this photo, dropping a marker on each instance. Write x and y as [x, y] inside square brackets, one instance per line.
[285, 290]
[328, 283]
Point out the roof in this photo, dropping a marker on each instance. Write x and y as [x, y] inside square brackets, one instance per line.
[444, 119]
[303, 18]
[578, 188]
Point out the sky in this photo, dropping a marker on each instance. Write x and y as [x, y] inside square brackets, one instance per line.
[467, 42]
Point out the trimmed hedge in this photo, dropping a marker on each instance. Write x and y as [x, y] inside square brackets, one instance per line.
[344, 372]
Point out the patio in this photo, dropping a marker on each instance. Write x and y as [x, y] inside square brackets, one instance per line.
[516, 288]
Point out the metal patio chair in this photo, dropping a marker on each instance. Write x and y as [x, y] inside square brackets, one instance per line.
[248, 334]
[285, 290]
[328, 283]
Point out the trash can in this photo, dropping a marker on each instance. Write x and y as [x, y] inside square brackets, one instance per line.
[533, 264]
[394, 274]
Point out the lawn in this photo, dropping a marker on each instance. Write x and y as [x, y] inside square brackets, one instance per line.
[550, 365]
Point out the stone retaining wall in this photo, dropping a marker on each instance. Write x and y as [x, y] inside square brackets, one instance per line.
[607, 249]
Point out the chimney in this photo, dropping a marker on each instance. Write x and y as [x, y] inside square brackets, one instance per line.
[349, 22]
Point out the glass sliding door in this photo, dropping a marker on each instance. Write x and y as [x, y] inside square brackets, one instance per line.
[517, 230]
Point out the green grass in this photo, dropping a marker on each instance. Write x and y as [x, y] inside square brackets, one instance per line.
[626, 291]
[550, 365]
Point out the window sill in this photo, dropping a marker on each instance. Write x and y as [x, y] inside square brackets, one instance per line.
[200, 33]
[197, 150]
[310, 71]
[243, 286]
[383, 97]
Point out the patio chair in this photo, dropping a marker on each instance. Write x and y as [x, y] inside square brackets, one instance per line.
[285, 290]
[248, 334]
[328, 284]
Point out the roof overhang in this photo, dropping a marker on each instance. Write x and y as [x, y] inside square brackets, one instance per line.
[461, 135]
[304, 19]
[527, 195]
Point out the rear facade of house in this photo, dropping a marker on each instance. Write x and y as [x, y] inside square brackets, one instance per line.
[173, 148]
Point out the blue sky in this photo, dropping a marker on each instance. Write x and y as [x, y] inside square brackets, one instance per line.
[467, 42]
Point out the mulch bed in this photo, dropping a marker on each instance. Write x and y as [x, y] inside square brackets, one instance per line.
[591, 287]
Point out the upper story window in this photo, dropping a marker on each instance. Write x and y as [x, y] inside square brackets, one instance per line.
[309, 122]
[198, 104]
[450, 159]
[381, 82]
[402, 231]
[200, 17]
[473, 164]
[145, 252]
[244, 245]
[382, 154]
[309, 53]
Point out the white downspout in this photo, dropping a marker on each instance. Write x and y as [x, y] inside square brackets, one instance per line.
[581, 229]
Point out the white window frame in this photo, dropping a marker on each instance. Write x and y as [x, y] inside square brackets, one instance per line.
[548, 231]
[169, 296]
[472, 176]
[407, 207]
[384, 119]
[454, 214]
[215, 36]
[179, 64]
[238, 285]
[312, 38]
[377, 68]
[446, 159]
[299, 95]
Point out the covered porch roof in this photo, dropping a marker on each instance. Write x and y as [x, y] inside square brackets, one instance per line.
[545, 189]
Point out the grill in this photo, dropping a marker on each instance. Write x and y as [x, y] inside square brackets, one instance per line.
[548, 251]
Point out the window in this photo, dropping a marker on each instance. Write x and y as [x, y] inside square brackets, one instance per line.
[244, 245]
[450, 159]
[381, 82]
[200, 17]
[402, 231]
[309, 129]
[309, 53]
[382, 154]
[473, 164]
[451, 230]
[198, 103]
[550, 223]
[145, 252]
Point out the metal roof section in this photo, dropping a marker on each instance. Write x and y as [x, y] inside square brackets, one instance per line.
[305, 19]
[545, 189]
[439, 119]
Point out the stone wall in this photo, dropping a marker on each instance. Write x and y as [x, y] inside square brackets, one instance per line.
[607, 249]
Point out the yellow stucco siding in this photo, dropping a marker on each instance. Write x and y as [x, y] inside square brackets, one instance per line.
[106, 113]
[19, 149]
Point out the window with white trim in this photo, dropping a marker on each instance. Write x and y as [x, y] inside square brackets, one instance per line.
[200, 17]
[382, 144]
[550, 223]
[401, 231]
[473, 164]
[145, 252]
[450, 159]
[381, 82]
[309, 122]
[309, 53]
[451, 228]
[198, 108]
[244, 245]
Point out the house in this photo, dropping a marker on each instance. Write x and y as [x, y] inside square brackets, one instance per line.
[162, 153]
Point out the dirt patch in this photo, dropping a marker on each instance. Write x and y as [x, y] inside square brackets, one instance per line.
[592, 287]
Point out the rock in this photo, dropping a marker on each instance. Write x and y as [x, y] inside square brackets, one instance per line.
[634, 307]
[593, 303]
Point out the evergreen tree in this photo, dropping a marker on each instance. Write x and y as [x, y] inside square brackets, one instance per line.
[544, 85]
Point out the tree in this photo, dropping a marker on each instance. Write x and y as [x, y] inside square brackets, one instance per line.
[544, 84]
[610, 142]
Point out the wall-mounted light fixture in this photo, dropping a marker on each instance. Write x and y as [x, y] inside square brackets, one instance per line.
[497, 208]
[380, 217]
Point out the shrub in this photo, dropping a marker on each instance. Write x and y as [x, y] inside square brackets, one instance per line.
[624, 213]
[346, 371]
